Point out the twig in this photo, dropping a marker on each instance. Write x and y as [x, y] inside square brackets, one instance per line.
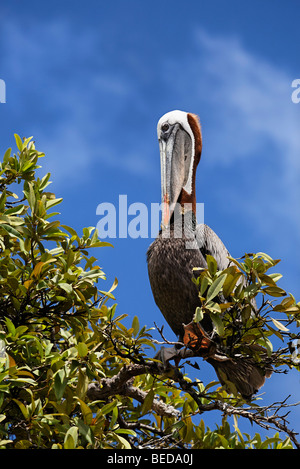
[165, 340]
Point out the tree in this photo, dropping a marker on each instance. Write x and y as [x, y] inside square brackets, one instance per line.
[72, 375]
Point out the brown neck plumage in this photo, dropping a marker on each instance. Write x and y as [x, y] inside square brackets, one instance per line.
[184, 197]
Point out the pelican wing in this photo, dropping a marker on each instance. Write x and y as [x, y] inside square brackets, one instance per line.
[210, 243]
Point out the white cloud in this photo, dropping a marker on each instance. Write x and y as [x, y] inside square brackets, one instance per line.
[256, 95]
[249, 120]
[78, 98]
[249, 98]
[244, 103]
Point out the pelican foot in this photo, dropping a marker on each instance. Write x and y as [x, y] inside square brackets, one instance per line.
[165, 354]
[197, 340]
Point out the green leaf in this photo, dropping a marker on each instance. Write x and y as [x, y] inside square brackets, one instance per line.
[123, 443]
[213, 307]
[218, 324]
[86, 411]
[126, 431]
[274, 291]
[279, 326]
[82, 384]
[135, 325]
[147, 404]
[52, 202]
[6, 156]
[265, 342]
[11, 231]
[82, 349]
[85, 431]
[50, 226]
[66, 287]
[10, 327]
[251, 290]
[203, 285]
[108, 407]
[267, 258]
[211, 264]
[71, 438]
[60, 383]
[3, 200]
[238, 292]
[215, 287]
[230, 283]
[95, 237]
[237, 429]
[17, 210]
[22, 407]
[70, 230]
[6, 442]
[100, 244]
[37, 269]
[275, 277]
[45, 181]
[275, 332]
[237, 263]
[19, 142]
[267, 280]
[30, 196]
[198, 314]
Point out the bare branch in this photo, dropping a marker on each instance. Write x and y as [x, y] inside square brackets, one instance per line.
[165, 340]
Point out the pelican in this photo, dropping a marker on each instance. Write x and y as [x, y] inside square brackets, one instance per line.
[182, 245]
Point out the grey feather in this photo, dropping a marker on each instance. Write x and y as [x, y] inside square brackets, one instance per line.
[210, 243]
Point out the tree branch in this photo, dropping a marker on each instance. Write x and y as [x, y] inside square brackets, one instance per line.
[121, 383]
[259, 415]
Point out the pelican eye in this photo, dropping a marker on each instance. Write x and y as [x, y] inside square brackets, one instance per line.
[165, 127]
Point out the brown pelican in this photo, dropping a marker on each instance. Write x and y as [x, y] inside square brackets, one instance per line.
[182, 245]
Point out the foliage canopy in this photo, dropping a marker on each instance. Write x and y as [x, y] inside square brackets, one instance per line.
[72, 375]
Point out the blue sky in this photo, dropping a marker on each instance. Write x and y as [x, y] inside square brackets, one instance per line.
[90, 80]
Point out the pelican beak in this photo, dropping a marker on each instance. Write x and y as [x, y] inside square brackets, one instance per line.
[172, 173]
[165, 166]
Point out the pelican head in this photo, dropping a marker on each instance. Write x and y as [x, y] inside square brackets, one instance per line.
[180, 145]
